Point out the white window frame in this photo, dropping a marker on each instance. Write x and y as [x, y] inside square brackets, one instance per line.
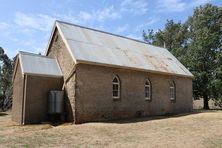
[118, 84]
[172, 91]
[149, 89]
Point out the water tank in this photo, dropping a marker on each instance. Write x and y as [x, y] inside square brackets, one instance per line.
[56, 100]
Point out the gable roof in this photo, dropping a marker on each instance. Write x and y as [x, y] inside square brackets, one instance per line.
[37, 65]
[92, 46]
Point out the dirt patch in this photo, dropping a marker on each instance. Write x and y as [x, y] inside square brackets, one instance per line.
[199, 129]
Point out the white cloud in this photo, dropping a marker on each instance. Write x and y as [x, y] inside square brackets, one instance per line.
[69, 18]
[121, 29]
[4, 25]
[85, 15]
[134, 6]
[5, 29]
[40, 22]
[38, 48]
[195, 3]
[29, 42]
[106, 13]
[30, 25]
[178, 5]
[171, 5]
[150, 21]
[30, 45]
[25, 31]
[100, 15]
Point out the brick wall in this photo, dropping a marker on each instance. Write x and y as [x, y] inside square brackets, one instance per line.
[89, 91]
[37, 94]
[17, 96]
[59, 51]
[94, 94]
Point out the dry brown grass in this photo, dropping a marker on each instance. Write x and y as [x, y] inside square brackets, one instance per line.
[194, 130]
[198, 104]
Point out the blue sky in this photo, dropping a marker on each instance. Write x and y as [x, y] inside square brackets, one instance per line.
[26, 24]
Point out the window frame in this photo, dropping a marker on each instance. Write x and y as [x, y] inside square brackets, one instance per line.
[173, 90]
[149, 98]
[119, 87]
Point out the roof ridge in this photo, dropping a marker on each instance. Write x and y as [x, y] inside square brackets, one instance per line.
[34, 54]
[106, 32]
[101, 31]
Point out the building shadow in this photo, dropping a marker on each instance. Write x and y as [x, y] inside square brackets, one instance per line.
[3, 114]
[159, 117]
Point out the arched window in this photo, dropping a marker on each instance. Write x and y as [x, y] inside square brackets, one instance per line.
[172, 91]
[147, 89]
[116, 87]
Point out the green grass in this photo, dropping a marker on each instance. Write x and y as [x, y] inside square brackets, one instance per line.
[214, 142]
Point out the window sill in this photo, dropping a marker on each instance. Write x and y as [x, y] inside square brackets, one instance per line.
[116, 98]
[146, 99]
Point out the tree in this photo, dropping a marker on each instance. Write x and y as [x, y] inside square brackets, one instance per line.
[149, 36]
[217, 83]
[171, 37]
[197, 44]
[205, 36]
[6, 70]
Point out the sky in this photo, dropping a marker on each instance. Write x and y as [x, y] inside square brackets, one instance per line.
[25, 25]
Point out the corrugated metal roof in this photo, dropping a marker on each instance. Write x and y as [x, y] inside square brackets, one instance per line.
[98, 47]
[37, 64]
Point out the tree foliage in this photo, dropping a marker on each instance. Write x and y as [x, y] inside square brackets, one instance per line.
[197, 43]
[6, 70]
[205, 33]
[171, 37]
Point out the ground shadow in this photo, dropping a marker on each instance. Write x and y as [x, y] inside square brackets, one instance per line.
[3, 114]
[135, 119]
[144, 118]
[159, 117]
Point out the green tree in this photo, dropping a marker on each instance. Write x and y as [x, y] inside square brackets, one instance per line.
[205, 36]
[171, 37]
[197, 44]
[217, 82]
[6, 70]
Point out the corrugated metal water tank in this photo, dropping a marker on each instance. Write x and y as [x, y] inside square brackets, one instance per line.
[56, 102]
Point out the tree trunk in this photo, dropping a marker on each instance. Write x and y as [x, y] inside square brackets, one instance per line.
[205, 99]
[3, 100]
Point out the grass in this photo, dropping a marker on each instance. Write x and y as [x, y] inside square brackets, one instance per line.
[214, 142]
[200, 129]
